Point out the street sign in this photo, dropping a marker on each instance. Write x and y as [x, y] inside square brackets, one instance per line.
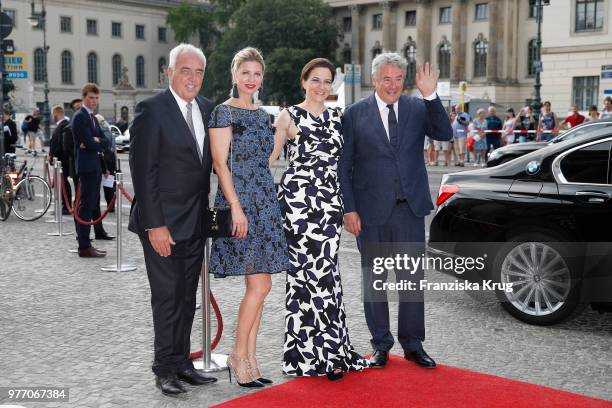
[606, 68]
[443, 89]
[606, 75]
[463, 86]
[607, 91]
[16, 62]
[17, 75]
[348, 73]
[6, 25]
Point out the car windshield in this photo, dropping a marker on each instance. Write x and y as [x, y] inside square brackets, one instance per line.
[579, 131]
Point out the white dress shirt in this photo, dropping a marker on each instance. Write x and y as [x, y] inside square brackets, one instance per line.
[196, 116]
[384, 111]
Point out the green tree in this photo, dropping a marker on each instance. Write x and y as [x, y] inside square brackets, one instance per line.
[188, 19]
[287, 32]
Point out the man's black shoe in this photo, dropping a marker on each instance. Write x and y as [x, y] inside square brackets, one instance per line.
[421, 358]
[169, 385]
[104, 237]
[379, 359]
[195, 377]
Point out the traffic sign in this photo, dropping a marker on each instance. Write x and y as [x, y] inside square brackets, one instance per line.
[6, 25]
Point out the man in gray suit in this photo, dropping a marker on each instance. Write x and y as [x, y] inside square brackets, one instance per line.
[386, 193]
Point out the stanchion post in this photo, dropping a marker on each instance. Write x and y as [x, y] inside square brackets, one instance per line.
[59, 174]
[210, 362]
[56, 211]
[119, 266]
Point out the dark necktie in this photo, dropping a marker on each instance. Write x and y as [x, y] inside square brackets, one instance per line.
[393, 130]
[189, 119]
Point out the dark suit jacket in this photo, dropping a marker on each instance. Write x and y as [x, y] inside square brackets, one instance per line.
[171, 185]
[369, 167]
[10, 137]
[88, 159]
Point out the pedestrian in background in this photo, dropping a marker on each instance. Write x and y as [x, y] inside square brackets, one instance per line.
[593, 114]
[494, 124]
[508, 129]
[31, 131]
[460, 128]
[109, 162]
[573, 119]
[526, 124]
[547, 123]
[10, 136]
[62, 131]
[477, 132]
[606, 112]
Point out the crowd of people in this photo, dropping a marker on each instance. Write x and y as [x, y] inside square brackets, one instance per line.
[474, 138]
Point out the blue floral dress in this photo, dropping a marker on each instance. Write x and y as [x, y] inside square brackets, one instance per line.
[264, 249]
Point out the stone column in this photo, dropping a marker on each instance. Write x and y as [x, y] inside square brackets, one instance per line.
[458, 42]
[355, 35]
[494, 33]
[423, 37]
[388, 35]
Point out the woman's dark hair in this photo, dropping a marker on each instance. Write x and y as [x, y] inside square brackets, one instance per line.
[317, 63]
[510, 110]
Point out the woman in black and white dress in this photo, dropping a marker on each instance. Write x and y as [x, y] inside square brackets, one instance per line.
[316, 336]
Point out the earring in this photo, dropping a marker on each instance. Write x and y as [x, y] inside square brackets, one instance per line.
[261, 95]
[235, 91]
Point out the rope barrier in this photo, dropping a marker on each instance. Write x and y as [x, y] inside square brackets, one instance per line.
[507, 131]
[66, 199]
[125, 193]
[198, 354]
[102, 216]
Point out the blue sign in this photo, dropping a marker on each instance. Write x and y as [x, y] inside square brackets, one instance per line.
[607, 91]
[606, 75]
[17, 74]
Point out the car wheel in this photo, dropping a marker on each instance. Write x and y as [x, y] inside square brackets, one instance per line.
[544, 277]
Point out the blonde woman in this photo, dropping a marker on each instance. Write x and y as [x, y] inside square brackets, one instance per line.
[258, 248]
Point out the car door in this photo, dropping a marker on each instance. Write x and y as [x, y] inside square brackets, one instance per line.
[584, 176]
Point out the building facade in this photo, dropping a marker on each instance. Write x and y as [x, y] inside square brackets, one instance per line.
[577, 53]
[91, 41]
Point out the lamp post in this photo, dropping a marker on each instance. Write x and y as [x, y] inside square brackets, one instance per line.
[40, 20]
[537, 100]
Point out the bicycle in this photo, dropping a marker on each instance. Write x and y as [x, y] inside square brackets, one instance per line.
[31, 195]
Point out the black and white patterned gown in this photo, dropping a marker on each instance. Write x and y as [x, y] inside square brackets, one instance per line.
[316, 335]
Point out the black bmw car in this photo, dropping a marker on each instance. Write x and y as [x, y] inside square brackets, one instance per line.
[510, 152]
[542, 224]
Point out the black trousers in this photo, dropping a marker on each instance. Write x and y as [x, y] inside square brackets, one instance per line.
[403, 233]
[89, 206]
[174, 282]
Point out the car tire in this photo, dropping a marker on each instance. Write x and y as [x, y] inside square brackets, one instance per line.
[546, 278]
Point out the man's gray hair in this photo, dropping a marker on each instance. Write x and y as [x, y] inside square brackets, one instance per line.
[184, 48]
[388, 58]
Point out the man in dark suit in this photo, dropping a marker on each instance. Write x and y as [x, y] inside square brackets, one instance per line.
[386, 196]
[89, 143]
[170, 164]
[10, 133]
[56, 149]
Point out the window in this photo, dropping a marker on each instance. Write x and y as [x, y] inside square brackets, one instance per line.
[347, 24]
[65, 24]
[410, 55]
[92, 27]
[117, 65]
[480, 57]
[585, 91]
[445, 15]
[377, 22]
[140, 71]
[66, 67]
[140, 32]
[587, 165]
[589, 15]
[92, 67]
[482, 11]
[161, 34]
[533, 9]
[39, 65]
[444, 56]
[116, 29]
[12, 14]
[531, 58]
[410, 20]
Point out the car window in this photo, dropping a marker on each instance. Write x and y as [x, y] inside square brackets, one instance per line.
[588, 165]
[580, 131]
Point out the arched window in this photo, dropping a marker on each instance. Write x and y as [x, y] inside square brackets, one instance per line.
[117, 65]
[410, 55]
[444, 57]
[480, 56]
[66, 67]
[531, 58]
[140, 71]
[92, 67]
[39, 65]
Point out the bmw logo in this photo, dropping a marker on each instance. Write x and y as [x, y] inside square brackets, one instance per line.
[533, 167]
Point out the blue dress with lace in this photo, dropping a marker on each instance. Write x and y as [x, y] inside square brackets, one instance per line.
[264, 249]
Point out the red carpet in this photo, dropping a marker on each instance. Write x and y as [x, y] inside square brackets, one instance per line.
[403, 384]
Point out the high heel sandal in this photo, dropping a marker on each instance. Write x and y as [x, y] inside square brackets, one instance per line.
[254, 370]
[241, 375]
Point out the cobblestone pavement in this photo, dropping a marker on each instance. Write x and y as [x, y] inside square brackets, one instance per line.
[65, 323]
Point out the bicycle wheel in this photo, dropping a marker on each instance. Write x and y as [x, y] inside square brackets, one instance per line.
[32, 198]
[6, 197]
